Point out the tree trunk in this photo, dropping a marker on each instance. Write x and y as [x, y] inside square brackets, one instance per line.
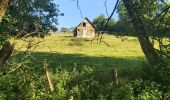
[7, 49]
[3, 7]
[147, 47]
[6, 52]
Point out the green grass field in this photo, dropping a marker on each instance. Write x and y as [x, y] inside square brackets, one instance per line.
[63, 50]
[79, 68]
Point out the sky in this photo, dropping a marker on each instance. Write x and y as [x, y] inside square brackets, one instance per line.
[89, 8]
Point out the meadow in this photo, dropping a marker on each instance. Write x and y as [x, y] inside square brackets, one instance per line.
[65, 51]
[79, 68]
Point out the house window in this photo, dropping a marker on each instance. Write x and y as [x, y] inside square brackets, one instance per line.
[84, 24]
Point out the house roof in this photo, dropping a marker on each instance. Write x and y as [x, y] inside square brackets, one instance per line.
[89, 22]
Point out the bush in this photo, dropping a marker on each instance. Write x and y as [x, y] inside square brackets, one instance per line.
[81, 84]
[77, 83]
[159, 73]
[142, 90]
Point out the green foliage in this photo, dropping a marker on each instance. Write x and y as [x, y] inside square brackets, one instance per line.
[124, 28]
[142, 90]
[123, 25]
[54, 28]
[16, 85]
[150, 12]
[101, 19]
[98, 21]
[75, 83]
[33, 17]
[78, 75]
[3, 38]
[111, 25]
[63, 29]
[81, 83]
[78, 83]
[159, 73]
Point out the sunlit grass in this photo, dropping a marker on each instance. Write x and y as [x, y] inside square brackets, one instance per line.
[66, 44]
[66, 51]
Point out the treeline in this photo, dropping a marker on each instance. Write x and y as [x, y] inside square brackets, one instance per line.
[149, 16]
[120, 27]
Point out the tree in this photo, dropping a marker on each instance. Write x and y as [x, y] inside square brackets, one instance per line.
[25, 18]
[145, 19]
[101, 19]
[159, 70]
[98, 21]
[54, 28]
[147, 47]
[147, 10]
[33, 17]
[63, 29]
[123, 25]
[7, 48]
[111, 25]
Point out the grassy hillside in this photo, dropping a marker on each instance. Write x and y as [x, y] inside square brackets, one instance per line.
[66, 51]
[79, 68]
[111, 46]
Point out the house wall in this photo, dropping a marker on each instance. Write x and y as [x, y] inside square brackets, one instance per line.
[85, 31]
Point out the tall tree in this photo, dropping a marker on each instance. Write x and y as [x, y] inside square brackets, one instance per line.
[25, 18]
[7, 48]
[98, 21]
[148, 49]
[123, 25]
[34, 17]
[111, 25]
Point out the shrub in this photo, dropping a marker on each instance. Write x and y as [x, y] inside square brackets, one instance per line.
[142, 90]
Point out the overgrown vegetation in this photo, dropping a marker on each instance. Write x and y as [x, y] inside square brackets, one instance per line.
[65, 67]
[83, 74]
[79, 75]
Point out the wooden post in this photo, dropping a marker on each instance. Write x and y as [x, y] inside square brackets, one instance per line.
[114, 76]
[49, 80]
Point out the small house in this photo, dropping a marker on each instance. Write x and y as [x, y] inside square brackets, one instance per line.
[85, 29]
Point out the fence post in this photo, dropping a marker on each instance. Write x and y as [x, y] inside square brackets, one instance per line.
[49, 80]
[114, 76]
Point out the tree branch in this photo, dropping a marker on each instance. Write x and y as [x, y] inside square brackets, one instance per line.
[105, 5]
[107, 21]
[77, 2]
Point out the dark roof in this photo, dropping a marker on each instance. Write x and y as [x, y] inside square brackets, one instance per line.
[88, 21]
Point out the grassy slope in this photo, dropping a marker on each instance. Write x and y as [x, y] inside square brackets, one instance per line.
[67, 51]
